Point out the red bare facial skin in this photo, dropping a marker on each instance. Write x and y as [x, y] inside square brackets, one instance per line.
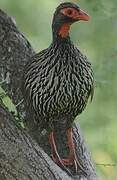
[64, 30]
[76, 15]
[82, 16]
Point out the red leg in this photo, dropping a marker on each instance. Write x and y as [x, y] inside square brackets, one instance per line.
[53, 147]
[72, 155]
[72, 159]
[55, 156]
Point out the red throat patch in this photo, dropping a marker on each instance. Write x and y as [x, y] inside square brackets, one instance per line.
[64, 30]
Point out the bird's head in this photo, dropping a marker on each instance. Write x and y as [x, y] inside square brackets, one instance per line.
[66, 14]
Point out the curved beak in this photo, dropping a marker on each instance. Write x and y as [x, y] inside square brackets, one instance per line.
[82, 16]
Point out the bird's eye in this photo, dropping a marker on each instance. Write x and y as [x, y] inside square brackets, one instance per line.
[69, 12]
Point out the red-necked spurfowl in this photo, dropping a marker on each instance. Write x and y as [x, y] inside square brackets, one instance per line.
[59, 80]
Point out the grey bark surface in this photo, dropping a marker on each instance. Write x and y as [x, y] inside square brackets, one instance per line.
[20, 156]
[15, 51]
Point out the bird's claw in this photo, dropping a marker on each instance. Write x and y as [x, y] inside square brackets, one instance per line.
[60, 162]
[69, 162]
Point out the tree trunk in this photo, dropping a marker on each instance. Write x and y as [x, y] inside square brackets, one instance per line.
[20, 156]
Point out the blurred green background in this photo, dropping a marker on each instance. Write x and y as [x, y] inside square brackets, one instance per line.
[98, 40]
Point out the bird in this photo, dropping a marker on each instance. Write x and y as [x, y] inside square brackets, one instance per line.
[59, 80]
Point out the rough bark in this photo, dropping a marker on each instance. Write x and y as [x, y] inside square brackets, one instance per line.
[15, 51]
[20, 156]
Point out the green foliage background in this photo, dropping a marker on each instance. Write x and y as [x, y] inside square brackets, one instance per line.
[98, 40]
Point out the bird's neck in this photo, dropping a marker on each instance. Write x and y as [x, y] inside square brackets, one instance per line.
[61, 32]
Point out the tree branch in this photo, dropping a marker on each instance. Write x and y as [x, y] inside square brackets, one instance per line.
[21, 157]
